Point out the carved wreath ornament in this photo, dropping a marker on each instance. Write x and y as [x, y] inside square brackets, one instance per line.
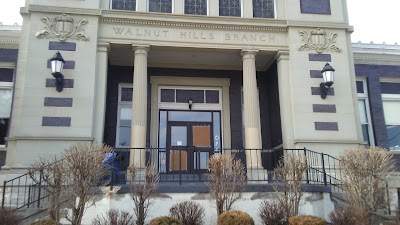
[63, 27]
[319, 41]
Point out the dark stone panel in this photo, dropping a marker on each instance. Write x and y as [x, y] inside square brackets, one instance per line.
[324, 108]
[67, 65]
[3, 155]
[58, 102]
[317, 91]
[274, 110]
[360, 87]
[6, 75]
[327, 126]
[8, 55]
[235, 99]
[320, 57]
[315, 7]
[390, 88]
[68, 83]
[56, 121]
[62, 46]
[373, 74]
[264, 108]
[315, 74]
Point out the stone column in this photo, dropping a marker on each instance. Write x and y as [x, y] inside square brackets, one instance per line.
[285, 99]
[139, 107]
[101, 90]
[251, 110]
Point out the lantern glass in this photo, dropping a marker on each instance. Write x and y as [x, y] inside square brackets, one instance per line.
[328, 77]
[57, 66]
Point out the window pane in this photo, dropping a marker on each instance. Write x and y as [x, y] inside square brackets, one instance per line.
[3, 130]
[230, 8]
[391, 110]
[124, 4]
[183, 96]
[393, 137]
[125, 116]
[164, 6]
[202, 161]
[189, 116]
[163, 130]
[217, 131]
[363, 112]
[198, 7]
[263, 8]
[178, 136]
[124, 136]
[365, 133]
[5, 103]
[126, 94]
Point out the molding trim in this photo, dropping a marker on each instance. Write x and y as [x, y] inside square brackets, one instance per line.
[56, 9]
[299, 141]
[370, 58]
[192, 25]
[294, 23]
[17, 138]
[73, 29]
[319, 40]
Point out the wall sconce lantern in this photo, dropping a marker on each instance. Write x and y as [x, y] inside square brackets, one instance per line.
[190, 101]
[57, 65]
[328, 75]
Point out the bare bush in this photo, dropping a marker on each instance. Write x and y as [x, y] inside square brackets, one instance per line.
[227, 180]
[367, 172]
[142, 187]
[289, 174]
[9, 217]
[83, 172]
[349, 215]
[52, 172]
[190, 213]
[273, 213]
[114, 217]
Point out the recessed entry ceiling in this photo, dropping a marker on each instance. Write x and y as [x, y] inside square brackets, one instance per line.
[195, 58]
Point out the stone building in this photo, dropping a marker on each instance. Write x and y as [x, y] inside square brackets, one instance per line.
[165, 77]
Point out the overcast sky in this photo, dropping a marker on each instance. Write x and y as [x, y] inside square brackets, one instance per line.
[377, 21]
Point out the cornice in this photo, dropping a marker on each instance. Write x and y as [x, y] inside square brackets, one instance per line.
[67, 10]
[376, 58]
[295, 23]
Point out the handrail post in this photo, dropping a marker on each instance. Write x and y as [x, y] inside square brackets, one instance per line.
[4, 195]
[308, 169]
[388, 198]
[323, 169]
[40, 188]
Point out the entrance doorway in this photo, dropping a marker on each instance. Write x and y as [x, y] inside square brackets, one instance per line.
[187, 139]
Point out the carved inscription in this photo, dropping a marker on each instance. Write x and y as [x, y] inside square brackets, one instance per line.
[225, 36]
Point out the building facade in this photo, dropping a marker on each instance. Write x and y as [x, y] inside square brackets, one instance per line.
[210, 75]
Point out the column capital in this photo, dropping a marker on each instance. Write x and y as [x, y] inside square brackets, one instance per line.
[249, 53]
[280, 55]
[103, 47]
[140, 49]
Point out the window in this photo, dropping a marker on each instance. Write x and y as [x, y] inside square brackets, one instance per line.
[124, 116]
[263, 8]
[124, 4]
[6, 85]
[230, 8]
[164, 6]
[197, 7]
[391, 108]
[365, 117]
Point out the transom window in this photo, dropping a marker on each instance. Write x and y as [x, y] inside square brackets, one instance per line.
[230, 8]
[164, 6]
[124, 5]
[263, 8]
[180, 95]
[197, 7]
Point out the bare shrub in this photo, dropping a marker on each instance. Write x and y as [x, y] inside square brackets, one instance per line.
[289, 174]
[166, 220]
[304, 219]
[142, 187]
[114, 217]
[227, 180]
[52, 172]
[46, 222]
[190, 213]
[235, 218]
[273, 213]
[83, 172]
[9, 217]
[349, 215]
[367, 172]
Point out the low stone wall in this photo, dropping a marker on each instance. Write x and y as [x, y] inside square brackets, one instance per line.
[312, 203]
